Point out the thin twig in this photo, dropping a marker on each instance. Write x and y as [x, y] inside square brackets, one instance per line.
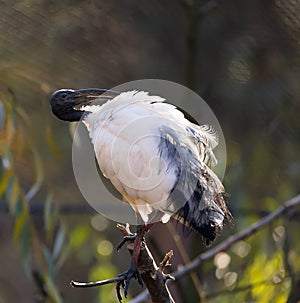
[209, 254]
[96, 283]
[184, 255]
[166, 260]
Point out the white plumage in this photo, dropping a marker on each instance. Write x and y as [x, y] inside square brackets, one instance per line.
[126, 134]
[156, 158]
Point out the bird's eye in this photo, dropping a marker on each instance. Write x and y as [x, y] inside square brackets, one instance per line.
[63, 96]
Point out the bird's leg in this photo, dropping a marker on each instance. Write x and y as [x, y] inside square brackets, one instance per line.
[129, 236]
[132, 271]
[125, 239]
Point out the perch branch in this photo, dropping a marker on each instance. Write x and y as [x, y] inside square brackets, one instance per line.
[151, 274]
[209, 254]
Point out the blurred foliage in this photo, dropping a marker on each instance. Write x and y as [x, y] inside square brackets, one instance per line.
[242, 57]
[39, 257]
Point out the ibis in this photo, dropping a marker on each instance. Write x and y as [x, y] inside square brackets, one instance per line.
[157, 159]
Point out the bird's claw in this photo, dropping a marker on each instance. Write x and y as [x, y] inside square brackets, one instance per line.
[125, 239]
[126, 278]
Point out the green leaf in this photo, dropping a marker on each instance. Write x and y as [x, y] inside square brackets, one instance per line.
[49, 260]
[63, 256]
[25, 248]
[13, 194]
[52, 290]
[17, 210]
[20, 224]
[4, 181]
[50, 216]
[39, 176]
[47, 212]
[59, 241]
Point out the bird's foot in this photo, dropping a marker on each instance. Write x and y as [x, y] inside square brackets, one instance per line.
[126, 278]
[125, 239]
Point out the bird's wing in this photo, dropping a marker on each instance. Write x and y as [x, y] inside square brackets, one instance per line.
[197, 197]
[206, 139]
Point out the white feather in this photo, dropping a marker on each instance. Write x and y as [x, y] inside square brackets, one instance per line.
[125, 132]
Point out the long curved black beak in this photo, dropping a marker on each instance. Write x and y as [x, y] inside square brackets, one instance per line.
[86, 96]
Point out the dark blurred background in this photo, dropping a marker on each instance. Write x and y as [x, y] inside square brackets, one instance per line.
[242, 57]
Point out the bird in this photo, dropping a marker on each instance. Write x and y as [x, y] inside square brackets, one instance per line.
[157, 158]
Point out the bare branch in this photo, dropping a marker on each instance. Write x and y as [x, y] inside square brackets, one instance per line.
[151, 274]
[96, 283]
[209, 254]
[166, 260]
[154, 278]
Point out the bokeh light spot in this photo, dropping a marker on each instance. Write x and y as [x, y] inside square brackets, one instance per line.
[104, 248]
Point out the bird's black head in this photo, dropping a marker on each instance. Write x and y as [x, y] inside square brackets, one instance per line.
[66, 103]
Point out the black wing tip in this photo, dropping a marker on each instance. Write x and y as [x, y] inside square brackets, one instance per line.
[208, 232]
[203, 222]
